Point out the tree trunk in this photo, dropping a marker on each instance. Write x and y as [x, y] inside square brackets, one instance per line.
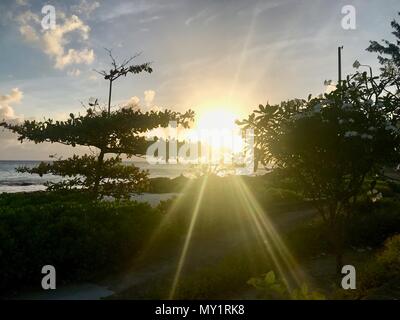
[339, 262]
[336, 238]
[109, 98]
[100, 161]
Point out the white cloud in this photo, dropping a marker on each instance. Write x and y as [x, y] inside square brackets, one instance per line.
[22, 2]
[150, 19]
[195, 17]
[74, 72]
[133, 102]
[131, 8]
[85, 7]
[6, 110]
[149, 97]
[53, 42]
[25, 21]
[93, 77]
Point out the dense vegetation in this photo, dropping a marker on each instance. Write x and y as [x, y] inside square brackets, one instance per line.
[81, 238]
[87, 240]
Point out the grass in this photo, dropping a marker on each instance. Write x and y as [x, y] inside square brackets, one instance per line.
[88, 239]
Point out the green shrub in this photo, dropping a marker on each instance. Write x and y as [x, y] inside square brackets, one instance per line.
[220, 278]
[385, 266]
[270, 287]
[372, 223]
[376, 279]
[390, 257]
[82, 239]
[307, 239]
[167, 185]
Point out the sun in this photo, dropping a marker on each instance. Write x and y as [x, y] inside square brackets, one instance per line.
[220, 119]
[216, 127]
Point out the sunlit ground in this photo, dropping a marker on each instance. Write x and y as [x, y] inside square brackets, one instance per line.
[232, 213]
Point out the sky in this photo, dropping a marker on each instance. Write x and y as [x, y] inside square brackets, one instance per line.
[205, 54]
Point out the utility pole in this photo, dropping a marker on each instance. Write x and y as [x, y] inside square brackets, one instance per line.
[340, 66]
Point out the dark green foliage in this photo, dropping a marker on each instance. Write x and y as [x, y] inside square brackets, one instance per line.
[330, 144]
[380, 278]
[308, 239]
[82, 239]
[309, 141]
[372, 223]
[112, 133]
[272, 288]
[119, 134]
[167, 185]
[389, 52]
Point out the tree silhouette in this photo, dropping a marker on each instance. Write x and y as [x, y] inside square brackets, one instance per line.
[389, 52]
[330, 144]
[114, 133]
[122, 69]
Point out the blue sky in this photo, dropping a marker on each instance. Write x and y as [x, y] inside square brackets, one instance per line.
[205, 53]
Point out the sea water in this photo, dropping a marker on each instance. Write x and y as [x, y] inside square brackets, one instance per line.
[13, 181]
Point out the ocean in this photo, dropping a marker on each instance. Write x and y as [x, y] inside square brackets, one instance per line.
[12, 181]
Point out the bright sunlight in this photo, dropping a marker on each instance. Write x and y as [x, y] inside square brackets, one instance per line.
[216, 126]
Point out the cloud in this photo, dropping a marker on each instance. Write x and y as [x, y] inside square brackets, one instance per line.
[121, 9]
[74, 72]
[195, 17]
[85, 7]
[6, 110]
[53, 42]
[149, 97]
[22, 2]
[26, 29]
[133, 102]
[93, 77]
[150, 19]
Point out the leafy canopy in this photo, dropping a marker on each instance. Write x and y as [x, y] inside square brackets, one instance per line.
[112, 133]
[328, 144]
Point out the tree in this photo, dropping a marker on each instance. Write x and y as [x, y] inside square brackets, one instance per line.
[331, 143]
[122, 69]
[112, 133]
[389, 52]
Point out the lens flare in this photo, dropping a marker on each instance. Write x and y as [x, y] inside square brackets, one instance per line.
[188, 238]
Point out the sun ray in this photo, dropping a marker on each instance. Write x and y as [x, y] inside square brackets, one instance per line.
[188, 238]
[278, 251]
[243, 54]
[262, 236]
[164, 221]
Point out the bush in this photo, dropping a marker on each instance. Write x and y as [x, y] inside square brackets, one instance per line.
[308, 239]
[82, 239]
[380, 278]
[372, 223]
[167, 185]
[220, 278]
[271, 287]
